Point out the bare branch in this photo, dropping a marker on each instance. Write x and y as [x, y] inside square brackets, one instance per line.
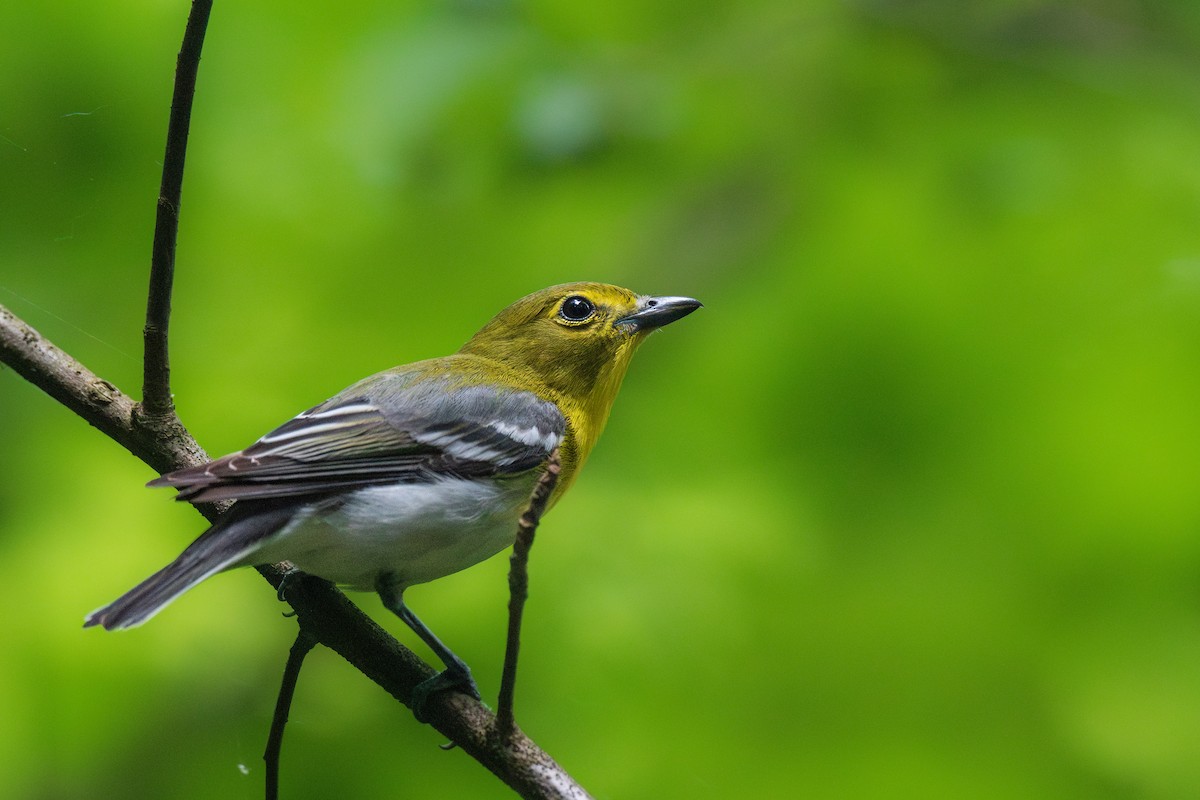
[91, 397]
[283, 704]
[518, 589]
[156, 381]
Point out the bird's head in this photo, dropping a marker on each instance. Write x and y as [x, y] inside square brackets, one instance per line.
[577, 338]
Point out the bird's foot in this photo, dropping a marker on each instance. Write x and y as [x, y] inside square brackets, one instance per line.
[289, 576]
[457, 678]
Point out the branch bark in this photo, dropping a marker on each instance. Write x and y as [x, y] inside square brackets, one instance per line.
[283, 704]
[156, 375]
[518, 591]
[97, 401]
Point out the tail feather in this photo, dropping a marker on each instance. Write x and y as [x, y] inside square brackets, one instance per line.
[234, 537]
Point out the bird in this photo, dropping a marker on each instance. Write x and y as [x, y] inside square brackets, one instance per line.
[419, 471]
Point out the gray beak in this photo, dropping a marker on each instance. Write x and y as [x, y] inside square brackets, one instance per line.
[654, 312]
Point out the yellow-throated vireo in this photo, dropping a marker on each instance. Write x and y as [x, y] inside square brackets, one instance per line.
[420, 471]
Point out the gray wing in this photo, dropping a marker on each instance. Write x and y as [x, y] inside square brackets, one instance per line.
[386, 429]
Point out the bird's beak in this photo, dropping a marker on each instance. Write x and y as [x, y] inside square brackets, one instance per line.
[654, 312]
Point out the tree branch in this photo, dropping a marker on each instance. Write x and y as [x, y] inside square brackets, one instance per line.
[518, 590]
[156, 378]
[283, 704]
[97, 401]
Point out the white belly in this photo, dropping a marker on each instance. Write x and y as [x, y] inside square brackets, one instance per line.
[417, 532]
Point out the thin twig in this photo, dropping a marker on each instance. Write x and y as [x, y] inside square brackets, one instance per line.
[156, 377]
[304, 643]
[518, 590]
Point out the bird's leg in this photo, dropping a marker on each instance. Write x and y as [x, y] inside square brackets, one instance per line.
[457, 674]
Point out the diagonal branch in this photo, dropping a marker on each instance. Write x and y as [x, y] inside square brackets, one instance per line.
[97, 401]
[156, 380]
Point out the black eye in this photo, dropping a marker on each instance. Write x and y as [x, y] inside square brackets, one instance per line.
[576, 309]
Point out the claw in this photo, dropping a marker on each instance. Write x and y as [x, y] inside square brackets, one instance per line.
[289, 576]
[452, 678]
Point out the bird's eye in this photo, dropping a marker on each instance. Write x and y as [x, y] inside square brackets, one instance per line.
[577, 309]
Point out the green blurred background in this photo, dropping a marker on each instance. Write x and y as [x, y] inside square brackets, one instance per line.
[909, 509]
